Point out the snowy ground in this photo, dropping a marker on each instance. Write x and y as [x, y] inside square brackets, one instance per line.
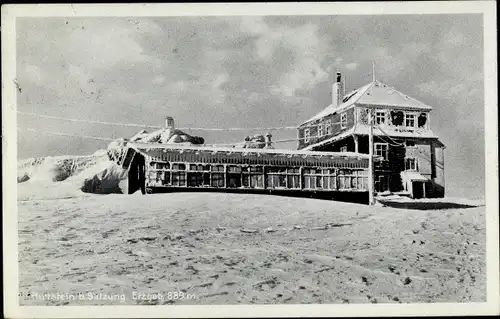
[239, 248]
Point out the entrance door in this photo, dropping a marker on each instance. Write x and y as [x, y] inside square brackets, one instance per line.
[418, 189]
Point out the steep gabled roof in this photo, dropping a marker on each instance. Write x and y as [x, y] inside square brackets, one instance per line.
[381, 94]
[374, 93]
[348, 100]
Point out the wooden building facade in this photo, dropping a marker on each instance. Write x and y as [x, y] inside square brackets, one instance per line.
[411, 157]
[170, 167]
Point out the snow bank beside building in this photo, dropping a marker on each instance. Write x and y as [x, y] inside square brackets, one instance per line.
[53, 169]
[97, 173]
[111, 180]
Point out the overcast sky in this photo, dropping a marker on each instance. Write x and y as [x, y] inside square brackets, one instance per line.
[246, 72]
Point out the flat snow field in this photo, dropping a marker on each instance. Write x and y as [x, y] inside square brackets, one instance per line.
[215, 248]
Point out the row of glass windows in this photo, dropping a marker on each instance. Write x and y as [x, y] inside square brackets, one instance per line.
[401, 118]
[255, 169]
[322, 180]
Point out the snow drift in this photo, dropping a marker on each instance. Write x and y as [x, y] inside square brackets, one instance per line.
[97, 173]
[254, 141]
[112, 180]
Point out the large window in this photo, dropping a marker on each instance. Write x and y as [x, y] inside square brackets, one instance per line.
[218, 176]
[276, 177]
[178, 174]
[343, 120]
[234, 176]
[317, 178]
[256, 177]
[410, 119]
[381, 149]
[198, 175]
[380, 117]
[307, 135]
[352, 179]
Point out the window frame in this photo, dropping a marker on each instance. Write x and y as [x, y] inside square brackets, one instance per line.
[328, 127]
[343, 120]
[386, 157]
[377, 117]
[413, 160]
[320, 130]
[414, 118]
[307, 134]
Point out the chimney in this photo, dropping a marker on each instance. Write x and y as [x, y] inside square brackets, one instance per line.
[268, 140]
[169, 123]
[337, 91]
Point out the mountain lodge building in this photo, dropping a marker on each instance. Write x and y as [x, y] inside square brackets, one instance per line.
[410, 156]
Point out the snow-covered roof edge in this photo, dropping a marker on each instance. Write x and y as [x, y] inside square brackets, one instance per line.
[330, 110]
[145, 146]
[360, 93]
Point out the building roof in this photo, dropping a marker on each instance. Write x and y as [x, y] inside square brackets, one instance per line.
[380, 94]
[375, 93]
[145, 147]
[385, 131]
[331, 139]
[348, 100]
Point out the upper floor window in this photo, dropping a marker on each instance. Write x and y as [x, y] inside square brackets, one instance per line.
[380, 117]
[411, 164]
[381, 149]
[410, 119]
[422, 120]
[328, 127]
[320, 130]
[307, 135]
[343, 120]
[397, 118]
[343, 149]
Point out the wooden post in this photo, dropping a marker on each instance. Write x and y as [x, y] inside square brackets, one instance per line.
[356, 146]
[225, 176]
[370, 163]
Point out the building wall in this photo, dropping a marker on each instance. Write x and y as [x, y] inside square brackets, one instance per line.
[423, 154]
[336, 128]
[429, 157]
[438, 182]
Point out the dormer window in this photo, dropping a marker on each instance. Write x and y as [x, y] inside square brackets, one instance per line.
[380, 117]
[410, 119]
[343, 120]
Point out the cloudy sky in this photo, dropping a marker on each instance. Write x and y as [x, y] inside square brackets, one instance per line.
[245, 72]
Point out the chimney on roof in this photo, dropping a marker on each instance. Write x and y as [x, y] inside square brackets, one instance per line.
[268, 140]
[169, 123]
[337, 91]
